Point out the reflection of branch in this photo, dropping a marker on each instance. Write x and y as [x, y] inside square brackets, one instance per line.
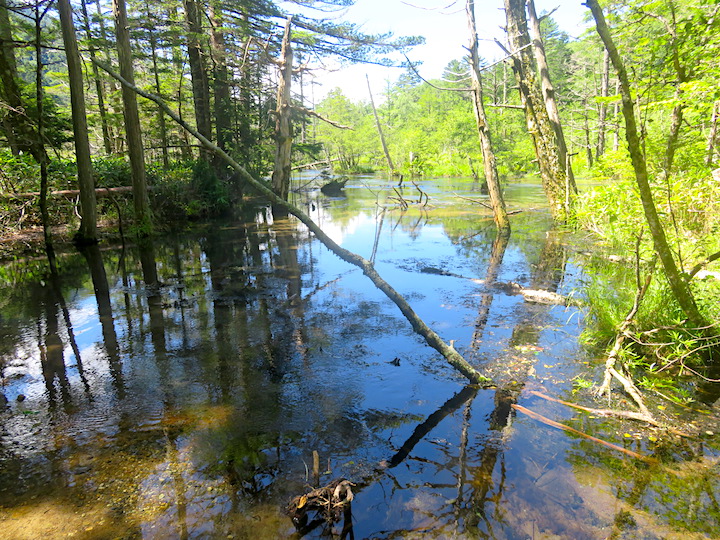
[449, 407]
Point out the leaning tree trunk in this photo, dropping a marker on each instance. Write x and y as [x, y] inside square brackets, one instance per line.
[679, 286]
[87, 234]
[558, 188]
[379, 128]
[283, 128]
[132, 121]
[491, 174]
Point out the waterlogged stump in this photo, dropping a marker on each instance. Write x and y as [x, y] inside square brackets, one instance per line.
[330, 502]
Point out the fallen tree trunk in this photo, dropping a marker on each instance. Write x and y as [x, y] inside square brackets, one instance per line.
[68, 193]
[431, 338]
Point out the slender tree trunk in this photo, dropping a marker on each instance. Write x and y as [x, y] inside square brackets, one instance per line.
[679, 286]
[548, 90]
[113, 104]
[491, 174]
[283, 127]
[132, 121]
[87, 234]
[712, 137]
[39, 98]
[379, 128]
[586, 129]
[198, 70]
[558, 189]
[99, 88]
[178, 63]
[602, 107]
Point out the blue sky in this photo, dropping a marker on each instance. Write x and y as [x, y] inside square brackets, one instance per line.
[443, 23]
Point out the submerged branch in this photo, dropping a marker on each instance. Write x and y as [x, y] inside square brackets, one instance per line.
[553, 423]
[431, 337]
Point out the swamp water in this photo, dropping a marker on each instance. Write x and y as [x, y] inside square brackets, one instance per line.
[190, 407]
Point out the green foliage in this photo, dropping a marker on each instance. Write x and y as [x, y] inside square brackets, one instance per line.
[190, 190]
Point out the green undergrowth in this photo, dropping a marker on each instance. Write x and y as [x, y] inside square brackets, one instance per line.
[661, 349]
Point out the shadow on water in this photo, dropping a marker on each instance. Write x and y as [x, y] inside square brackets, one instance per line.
[178, 388]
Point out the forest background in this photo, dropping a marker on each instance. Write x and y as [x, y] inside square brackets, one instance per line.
[68, 124]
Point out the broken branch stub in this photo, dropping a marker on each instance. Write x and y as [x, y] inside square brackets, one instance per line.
[431, 338]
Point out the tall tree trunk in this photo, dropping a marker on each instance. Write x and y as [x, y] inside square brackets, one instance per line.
[379, 128]
[164, 143]
[99, 87]
[132, 121]
[23, 135]
[39, 99]
[198, 70]
[586, 129]
[178, 62]
[548, 90]
[221, 79]
[491, 174]
[87, 234]
[8, 53]
[116, 141]
[283, 128]
[558, 188]
[679, 286]
[602, 107]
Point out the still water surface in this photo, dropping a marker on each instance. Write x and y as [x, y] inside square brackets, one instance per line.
[178, 389]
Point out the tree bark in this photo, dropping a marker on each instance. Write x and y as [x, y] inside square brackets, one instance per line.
[132, 121]
[678, 285]
[379, 128]
[491, 174]
[557, 186]
[87, 233]
[283, 127]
